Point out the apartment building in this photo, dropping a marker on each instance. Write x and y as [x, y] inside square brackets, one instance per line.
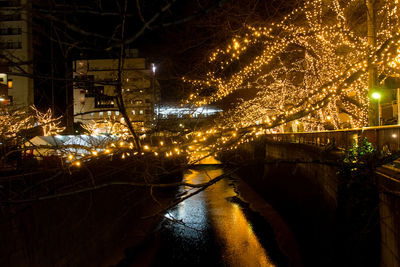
[94, 90]
[16, 53]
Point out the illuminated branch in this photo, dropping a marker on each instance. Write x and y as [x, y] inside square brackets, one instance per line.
[49, 124]
[315, 59]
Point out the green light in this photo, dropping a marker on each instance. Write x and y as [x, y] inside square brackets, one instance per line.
[376, 95]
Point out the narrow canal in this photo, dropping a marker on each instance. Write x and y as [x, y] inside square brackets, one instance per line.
[216, 228]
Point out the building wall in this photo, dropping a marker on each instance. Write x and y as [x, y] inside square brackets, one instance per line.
[140, 90]
[16, 46]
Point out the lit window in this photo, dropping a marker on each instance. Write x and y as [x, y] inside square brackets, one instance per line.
[101, 113]
[141, 111]
[10, 83]
[117, 113]
[109, 113]
[133, 112]
[92, 114]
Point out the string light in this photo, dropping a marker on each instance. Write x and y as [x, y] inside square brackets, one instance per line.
[313, 60]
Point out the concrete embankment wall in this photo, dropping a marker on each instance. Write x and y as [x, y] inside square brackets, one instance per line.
[389, 209]
[320, 173]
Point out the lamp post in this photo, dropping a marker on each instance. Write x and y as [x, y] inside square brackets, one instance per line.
[377, 96]
[153, 69]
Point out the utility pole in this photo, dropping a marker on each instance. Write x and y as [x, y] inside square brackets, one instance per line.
[373, 119]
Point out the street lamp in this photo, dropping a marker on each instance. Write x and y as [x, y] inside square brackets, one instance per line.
[377, 96]
[155, 110]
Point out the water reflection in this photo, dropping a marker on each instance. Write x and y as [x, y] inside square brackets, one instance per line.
[191, 215]
[242, 248]
[212, 211]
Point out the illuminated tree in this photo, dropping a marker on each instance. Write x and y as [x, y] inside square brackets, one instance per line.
[12, 123]
[109, 127]
[51, 125]
[311, 66]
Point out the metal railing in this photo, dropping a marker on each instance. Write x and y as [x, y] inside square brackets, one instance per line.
[382, 138]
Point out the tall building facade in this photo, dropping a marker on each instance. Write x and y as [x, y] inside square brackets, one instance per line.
[94, 91]
[16, 51]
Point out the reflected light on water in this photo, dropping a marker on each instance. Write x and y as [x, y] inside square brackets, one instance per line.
[194, 158]
[212, 207]
[209, 160]
[192, 212]
[242, 247]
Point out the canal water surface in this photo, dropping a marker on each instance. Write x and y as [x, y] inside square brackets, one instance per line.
[215, 228]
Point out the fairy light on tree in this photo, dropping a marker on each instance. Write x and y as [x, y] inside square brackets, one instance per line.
[108, 126]
[50, 124]
[13, 122]
[311, 65]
